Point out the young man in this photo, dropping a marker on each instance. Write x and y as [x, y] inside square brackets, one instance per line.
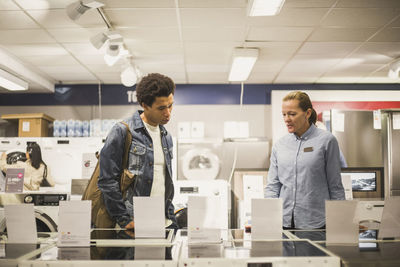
[149, 155]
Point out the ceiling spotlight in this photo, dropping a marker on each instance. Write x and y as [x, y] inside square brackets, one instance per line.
[264, 7]
[114, 51]
[129, 76]
[99, 40]
[11, 82]
[76, 9]
[242, 63]
[394, 70]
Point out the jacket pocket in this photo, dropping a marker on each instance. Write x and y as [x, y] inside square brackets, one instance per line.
[137, 156]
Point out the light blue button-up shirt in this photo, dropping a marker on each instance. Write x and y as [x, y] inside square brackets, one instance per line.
[304, 172]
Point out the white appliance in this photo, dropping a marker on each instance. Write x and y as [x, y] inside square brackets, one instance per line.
[45, 206]
[201, 159]
[218, 188]
[11, 144]
[65, 158]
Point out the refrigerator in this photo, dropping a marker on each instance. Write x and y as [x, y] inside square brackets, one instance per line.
[390, 121]
[359, 141]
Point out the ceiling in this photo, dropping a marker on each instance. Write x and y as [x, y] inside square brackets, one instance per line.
[310, 41]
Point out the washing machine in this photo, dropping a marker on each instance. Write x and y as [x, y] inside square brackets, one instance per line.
[202, 159]
[11, 144]
[215, 188]
[46, 206]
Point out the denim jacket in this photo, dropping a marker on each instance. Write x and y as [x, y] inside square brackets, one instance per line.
[140, 163]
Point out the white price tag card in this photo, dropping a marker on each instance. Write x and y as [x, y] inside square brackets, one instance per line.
[74, 223]
[21, 223]
[149, 217]
[348, 187]
[204, 219]
[341, 221]
[266, 218]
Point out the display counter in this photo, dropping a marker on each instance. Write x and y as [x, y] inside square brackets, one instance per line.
[236, 248]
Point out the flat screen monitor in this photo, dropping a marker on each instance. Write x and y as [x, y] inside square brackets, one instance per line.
[366, 182]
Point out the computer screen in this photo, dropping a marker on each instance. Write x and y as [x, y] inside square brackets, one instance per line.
[362, 181]
[366, 182]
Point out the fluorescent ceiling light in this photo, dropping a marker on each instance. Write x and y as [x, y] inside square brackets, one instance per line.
[76, 9]
[242, 64]
[394, 70]
[264, 7]
[12, 82]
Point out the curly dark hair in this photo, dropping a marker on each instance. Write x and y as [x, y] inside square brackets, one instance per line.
[153, 85]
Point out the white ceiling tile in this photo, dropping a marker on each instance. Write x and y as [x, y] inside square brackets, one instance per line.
[156, 34]
[207, 77]
[93, 59]
[103, 68]
[357, 70]
[25, 37]
[278, 34]
[309, 64]
[206, 53]
[261, 77]
[341, 34]
[270, 51]
[382, 48]
[136, 17]
[368, 3]
[211, 29]
[270, 66]
[43, 4]
[212, 3]
[37, 49]
[359, 17]
[207, 68]
[16, 20]
[338, 80]
[339, 49]
[295, 78]
[387, 35]
[377, 80]
[82, 49]
[213, 17]
[139, 4]
[67, 73]
[75, 35]
[8, 5]
[55, 60]
[308, 3]
[291, 17]
[196, 34]
[396, 22]
[57, 18]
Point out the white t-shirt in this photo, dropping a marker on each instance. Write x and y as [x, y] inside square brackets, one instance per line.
[158, 187]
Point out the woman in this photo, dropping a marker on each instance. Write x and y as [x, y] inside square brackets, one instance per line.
[36, 171]
[305, 166]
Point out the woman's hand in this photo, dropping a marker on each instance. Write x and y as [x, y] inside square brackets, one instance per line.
[4, 156]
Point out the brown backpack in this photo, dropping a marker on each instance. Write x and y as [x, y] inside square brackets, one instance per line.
[100, 216]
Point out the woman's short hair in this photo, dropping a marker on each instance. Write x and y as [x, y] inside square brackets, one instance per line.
[304, 103]
[153, 85]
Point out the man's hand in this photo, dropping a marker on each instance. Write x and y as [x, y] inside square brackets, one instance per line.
[130, 226]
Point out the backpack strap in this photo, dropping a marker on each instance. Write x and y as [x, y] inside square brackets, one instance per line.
[128, 142]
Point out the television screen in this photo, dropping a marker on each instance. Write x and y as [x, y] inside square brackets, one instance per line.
[362, 181]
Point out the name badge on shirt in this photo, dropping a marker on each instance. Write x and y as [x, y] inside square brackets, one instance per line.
[308, 149]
